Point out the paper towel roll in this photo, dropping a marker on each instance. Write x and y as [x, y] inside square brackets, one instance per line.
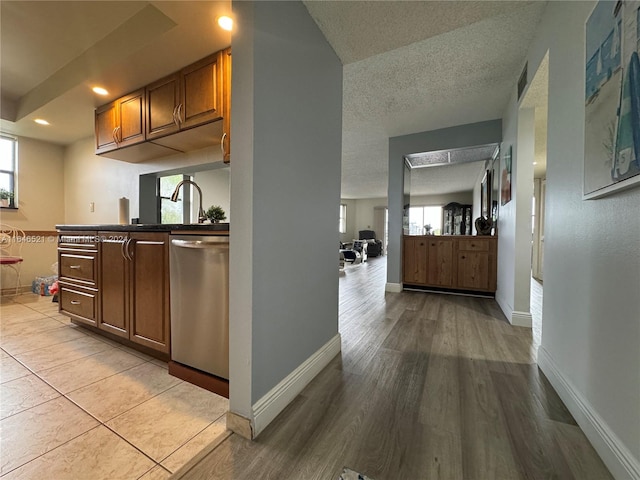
[123, 211]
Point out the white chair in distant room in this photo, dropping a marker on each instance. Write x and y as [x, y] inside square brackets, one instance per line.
[11, 240]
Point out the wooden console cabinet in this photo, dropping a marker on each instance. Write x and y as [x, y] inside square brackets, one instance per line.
[457, 262]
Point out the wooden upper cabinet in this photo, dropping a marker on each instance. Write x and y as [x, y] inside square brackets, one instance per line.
[201, 89]
[226, 106]
[106, 124]
[121, 123]
[186, 99]
[160, 119]
[163, 99]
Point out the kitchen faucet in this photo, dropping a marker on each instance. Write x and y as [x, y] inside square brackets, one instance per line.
[174, 198]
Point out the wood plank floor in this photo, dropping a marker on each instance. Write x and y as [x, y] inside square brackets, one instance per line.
[428, 386]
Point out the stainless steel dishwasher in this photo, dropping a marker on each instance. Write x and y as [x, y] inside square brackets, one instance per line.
[199, 267]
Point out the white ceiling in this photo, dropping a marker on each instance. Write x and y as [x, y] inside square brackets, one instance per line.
[409, 66]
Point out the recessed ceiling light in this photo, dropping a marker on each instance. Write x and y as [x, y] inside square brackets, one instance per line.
[226, 23]
[100, 91]
[41, 121]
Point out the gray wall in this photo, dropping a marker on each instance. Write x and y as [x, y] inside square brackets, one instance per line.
[285, 194]
[454, 137]
[591, 327]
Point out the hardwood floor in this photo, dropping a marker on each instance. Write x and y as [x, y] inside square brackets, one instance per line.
[428, 386]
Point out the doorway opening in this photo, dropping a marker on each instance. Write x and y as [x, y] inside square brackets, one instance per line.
[536, 99]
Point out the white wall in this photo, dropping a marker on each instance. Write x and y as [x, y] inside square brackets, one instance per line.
[101, 180]
[40, 206]
[591, 333]
[215, 188]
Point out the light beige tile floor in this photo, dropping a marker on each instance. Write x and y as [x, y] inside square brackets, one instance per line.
[66, 394]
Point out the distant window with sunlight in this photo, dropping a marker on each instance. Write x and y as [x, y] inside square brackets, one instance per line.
[171, 212]
[342, 228]
[421, 217]
[8, 164]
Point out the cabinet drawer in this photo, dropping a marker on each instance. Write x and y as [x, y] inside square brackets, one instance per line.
[474, 245]
[78, 302]
[79, 267]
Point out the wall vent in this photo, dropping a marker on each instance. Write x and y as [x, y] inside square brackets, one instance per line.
[522, 81]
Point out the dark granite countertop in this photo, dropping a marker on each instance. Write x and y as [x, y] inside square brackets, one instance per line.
[148, 227]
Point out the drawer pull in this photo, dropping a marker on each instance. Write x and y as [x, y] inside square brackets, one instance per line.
[75, 302]
[74, 267]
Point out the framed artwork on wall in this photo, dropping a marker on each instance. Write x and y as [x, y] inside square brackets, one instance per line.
[612, 99]
[505, 183]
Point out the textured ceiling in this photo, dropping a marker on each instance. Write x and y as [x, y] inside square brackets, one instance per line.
[459, 64]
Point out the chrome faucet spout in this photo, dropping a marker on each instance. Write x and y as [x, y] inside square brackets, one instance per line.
[174, 198]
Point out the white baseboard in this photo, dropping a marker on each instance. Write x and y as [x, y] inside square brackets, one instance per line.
[393, 287]
[269, 406]
[616, 456]
[521, 319]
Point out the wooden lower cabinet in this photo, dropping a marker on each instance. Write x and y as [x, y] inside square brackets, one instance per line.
[477, 268]
[134, 287]
[78, 276]
[451, 262]
[440, 262]
[149, 290]
[114, 284]
[414, 260]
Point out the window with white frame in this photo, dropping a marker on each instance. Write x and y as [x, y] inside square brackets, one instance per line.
[8, 164]
[421, 217]
[342, 228]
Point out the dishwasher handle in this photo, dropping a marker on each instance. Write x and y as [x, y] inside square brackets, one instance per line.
[200, 243]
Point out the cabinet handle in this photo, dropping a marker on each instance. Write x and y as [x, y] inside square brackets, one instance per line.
[130, 251]
[463, 257]
[122, 249]
[114, 134]
[224, 136]
[74, 267]
[179, 111]
[175, 116]
[75, 302]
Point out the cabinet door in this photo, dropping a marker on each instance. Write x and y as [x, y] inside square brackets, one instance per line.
[106, 123]
[149, 290]
[202, 92]
[132, 120]
[414, 260]
[163, 98]
[473, 270]
[226, 111]
[114, 284]
[440, 253]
